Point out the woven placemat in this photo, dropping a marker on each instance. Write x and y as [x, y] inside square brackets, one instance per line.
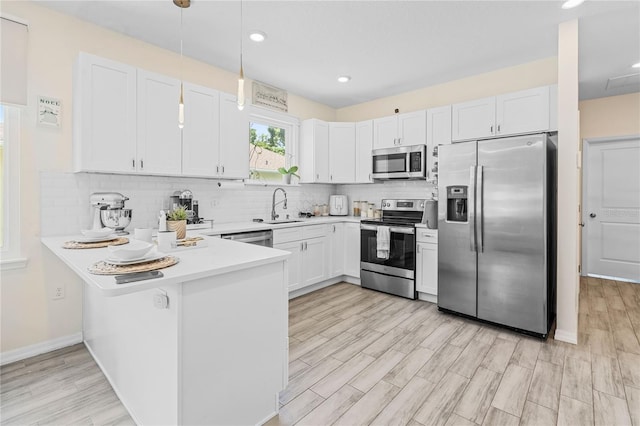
[78, 245]
[104, 268]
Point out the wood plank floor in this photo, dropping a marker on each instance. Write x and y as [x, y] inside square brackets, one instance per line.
[362, 357]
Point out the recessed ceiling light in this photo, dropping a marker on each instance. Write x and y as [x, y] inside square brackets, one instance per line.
[636, 65]
[257, 36]
[344, 78]
[569, 4]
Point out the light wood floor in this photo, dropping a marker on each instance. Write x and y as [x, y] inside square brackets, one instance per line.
[362, 357]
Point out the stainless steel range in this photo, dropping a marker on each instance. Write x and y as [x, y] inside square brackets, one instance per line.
[392, 270]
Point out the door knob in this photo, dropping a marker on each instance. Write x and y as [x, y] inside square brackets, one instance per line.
[592, 215]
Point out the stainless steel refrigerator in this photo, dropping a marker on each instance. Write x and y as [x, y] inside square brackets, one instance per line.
[496, 231]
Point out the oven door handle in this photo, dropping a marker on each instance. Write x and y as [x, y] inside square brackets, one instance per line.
[394, 229]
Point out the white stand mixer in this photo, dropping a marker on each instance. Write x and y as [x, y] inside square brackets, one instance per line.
[110, 212]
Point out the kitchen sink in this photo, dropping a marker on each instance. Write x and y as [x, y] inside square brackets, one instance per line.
[277, 222]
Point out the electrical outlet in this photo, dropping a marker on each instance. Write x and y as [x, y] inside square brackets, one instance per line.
[58, 292]
[215, 202]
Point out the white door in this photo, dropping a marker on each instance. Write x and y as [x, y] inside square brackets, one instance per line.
[352, 249]
[294, 262]
[314, 261]
[438, 133]
[364, 145]
[427, 268]
[412, 128]
[201, 131]
[342, 152]
[612, 208]
[385, 132]
[159, 138]
[234, 139]
[523, 112]
[321, 150]
[473, 120]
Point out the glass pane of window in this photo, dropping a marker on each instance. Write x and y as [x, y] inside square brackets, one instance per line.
[267, 151]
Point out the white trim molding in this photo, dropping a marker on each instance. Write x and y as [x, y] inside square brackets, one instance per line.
[39, 348]
[16, 263]
[566, 336]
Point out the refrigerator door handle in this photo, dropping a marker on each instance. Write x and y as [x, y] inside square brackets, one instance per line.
[480, 209]
[471, 207]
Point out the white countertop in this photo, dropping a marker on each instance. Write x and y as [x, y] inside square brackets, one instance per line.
[219, 257]
[230, 228]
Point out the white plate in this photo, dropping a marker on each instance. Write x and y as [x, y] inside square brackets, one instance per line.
[153, 255]
[97, 233]
[96, 240]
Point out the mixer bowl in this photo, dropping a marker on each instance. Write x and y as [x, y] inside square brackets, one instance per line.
[116, 219]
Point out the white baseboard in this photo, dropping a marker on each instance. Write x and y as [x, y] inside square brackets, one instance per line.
[566, 336]
[39, 348]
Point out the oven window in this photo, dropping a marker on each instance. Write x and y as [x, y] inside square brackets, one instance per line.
[390, 163]
[401, 253]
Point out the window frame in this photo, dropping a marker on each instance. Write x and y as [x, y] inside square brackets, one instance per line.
[289, 123]
[11, 257]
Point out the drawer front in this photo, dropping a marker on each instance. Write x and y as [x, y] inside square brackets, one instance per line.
[314, 231]
[287, 235]
[426, 236]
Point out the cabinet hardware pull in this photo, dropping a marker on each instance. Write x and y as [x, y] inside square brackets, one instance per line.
[217, 169]
[498, 128]
[141, 164]
[334, 228]
[418, 248]
[133, 163]
[491, 129]
[318, 176]
[305, 246]
[222, 169]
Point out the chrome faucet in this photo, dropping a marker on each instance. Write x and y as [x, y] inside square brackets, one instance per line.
[274, 216]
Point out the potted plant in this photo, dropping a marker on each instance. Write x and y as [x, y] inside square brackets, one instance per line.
[177, 221]
[287, 173]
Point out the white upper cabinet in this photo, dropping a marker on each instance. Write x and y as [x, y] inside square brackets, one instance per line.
[364, 145]
[159, 144]
[104, 115]
[438, 133]
[523, 112]
[342, 152]
[201, 132]
[314, 151]
[400, 129]
[526, 111]
[474, 119]
[234, 139]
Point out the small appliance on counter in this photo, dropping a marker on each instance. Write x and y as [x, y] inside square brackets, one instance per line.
[110, 212]
[185, 198]
[338, 205]
[430, 215]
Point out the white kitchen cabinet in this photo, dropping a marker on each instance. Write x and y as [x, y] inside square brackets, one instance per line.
[364, 145]
[336, 249]
[234, 139]
[201, 132]
[309, 263]
[427, 261]
[474, 119]
[159, 144]
[400, 129]
[352, 249]
[342, 152]
[438, 133]
[314, 151]
[104, 115]
[514, 113]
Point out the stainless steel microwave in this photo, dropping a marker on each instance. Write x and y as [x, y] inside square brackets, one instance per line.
[402, 162]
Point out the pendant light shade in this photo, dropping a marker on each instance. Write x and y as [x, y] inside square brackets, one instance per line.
[182, 4]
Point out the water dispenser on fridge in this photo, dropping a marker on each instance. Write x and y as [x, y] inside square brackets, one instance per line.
[457, 204]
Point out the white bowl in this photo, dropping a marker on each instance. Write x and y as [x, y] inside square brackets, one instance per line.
[134, 250]
[97, 233]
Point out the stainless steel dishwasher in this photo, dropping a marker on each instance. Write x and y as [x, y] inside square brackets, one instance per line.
[260, 238]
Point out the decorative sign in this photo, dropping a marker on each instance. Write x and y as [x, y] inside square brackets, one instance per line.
[270, 97]
[49, 111]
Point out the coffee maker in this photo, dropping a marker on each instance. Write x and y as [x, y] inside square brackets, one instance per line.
[185, 198]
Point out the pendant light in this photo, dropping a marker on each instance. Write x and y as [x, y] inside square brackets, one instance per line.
[241, 76]
[182, 4]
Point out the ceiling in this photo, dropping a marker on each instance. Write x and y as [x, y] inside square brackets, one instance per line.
[387, 47]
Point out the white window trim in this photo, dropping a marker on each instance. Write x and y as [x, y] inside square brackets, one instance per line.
[279, 119]
[11, 253]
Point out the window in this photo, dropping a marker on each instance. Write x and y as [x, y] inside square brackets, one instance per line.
[10, 188]
[272, 145]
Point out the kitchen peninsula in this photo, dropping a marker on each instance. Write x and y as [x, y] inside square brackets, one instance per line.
[216, 354]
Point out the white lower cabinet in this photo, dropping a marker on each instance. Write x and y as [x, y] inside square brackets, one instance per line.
[427, 261]
[308, 245]
[352, 249]
[337, 249]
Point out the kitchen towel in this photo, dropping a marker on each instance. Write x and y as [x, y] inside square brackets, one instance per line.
[383, 241]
